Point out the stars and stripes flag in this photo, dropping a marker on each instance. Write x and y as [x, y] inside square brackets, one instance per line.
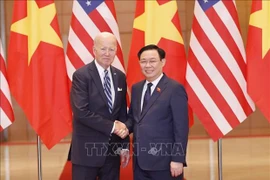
[6, 110]
[216, 69]
[89, 18]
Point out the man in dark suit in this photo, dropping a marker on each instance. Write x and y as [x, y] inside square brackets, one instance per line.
[158, 118]
[98, 98]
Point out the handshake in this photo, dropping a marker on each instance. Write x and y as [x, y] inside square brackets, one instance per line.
[120, 129]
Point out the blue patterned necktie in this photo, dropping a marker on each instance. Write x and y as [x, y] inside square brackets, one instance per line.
[107, 89]
[147, 95]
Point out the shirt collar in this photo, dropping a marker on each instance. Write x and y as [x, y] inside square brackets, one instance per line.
[156, 81]
[101, 69]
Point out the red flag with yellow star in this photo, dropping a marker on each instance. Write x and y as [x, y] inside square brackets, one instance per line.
[157, 22]
[258, 56]
[37, 71]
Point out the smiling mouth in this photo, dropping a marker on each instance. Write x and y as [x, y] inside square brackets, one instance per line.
[148, 71]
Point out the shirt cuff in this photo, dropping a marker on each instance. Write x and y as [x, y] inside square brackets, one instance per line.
[113, 127]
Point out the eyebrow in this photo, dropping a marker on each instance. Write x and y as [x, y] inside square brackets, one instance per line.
[149, 59]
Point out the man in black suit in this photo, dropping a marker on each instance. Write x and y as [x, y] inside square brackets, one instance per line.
[158, 118]
[98, 99]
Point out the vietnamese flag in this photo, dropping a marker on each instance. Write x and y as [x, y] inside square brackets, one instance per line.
[157, 22]
[37, 71]
[258, 56]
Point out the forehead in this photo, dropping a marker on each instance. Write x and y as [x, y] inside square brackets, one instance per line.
[108, 41]
[149, 54]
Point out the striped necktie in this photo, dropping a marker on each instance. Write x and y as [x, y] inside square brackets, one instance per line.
[107, 89]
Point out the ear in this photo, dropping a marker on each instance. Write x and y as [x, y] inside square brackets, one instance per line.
[94, 50]
[163, 62]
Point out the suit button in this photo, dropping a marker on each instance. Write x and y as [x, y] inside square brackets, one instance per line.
[109, 139]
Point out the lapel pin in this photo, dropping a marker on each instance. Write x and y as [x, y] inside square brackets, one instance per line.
[158, 89]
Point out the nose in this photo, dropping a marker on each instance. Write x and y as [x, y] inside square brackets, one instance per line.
[107, 52]
[147, 64]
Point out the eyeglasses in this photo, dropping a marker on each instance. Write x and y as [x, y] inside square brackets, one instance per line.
[151, 62]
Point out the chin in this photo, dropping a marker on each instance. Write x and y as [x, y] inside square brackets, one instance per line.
[149, 77]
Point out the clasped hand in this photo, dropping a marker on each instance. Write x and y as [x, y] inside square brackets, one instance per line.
[120, 129]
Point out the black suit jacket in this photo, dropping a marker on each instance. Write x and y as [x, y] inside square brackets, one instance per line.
[92, 121]
[160, 131]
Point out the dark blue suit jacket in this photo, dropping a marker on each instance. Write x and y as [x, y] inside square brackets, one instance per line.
[92, 121]
[160, 131]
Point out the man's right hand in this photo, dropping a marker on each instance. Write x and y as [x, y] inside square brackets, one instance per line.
[120, 129]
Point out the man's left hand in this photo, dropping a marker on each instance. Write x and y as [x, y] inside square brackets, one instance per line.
[176, 168]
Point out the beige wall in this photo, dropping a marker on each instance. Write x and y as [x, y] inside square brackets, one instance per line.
[256, 123]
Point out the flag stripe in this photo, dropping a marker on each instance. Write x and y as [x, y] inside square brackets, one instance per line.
[73, 57]
[2, 63]
[79, 47]
[6, 110]
[6, 105]
[102, 9]
[5, 87]
[210, 106]
[232, 26]
[80, 31]
[232, 9]
[102, 25]
[230, 39]
[5, 120]
[204, 116]
[70, 67]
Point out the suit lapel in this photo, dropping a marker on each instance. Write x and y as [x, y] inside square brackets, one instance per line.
[161, 86]
[115, 84]
[139, 95]
[96, 78]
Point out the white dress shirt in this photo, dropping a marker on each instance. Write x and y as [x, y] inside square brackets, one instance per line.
[155, 82]
[102, 74]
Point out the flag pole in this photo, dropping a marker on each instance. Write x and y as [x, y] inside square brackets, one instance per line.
[39, 158]
[220, 159]
[2, 21]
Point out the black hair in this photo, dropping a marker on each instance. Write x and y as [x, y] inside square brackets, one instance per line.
[160, 51]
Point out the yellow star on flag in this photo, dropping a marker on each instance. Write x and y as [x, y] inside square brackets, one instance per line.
[261, 19]
[37, 27]
[157, 23]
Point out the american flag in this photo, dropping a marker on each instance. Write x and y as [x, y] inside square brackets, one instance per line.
[216, 69]
[89, 18]
[6, 111]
